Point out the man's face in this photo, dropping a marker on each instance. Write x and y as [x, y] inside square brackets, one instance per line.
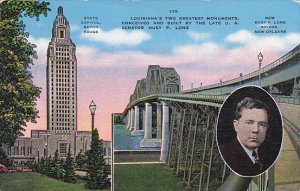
[252, 127]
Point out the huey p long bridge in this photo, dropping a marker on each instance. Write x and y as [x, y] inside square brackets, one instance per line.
[182, 123]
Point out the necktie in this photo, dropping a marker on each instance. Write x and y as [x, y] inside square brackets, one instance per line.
[258, 164]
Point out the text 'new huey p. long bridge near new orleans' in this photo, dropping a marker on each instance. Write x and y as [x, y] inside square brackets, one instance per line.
[182, 123]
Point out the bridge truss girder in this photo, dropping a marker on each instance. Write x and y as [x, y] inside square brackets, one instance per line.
[193, 153]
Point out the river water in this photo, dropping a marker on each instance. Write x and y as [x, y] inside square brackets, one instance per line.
[124, 141]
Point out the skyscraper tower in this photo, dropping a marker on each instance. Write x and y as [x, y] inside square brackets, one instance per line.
[61, 79]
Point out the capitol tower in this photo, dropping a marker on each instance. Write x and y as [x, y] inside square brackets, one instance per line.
[61, 79]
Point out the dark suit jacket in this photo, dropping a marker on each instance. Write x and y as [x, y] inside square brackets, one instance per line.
[238, 160]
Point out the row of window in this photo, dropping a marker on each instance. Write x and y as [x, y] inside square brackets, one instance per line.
[64, 80]
[19, 150]
[62, 98]
[61, 58]
[63, 110]
[61, 106]
[67, 89]
[59, 63]
[63, 94]
[66, 48]
[62, 120]
[109, 151]
[61, 130]
[63, 67]
[61, 76]
[61, 21]
[63, 53]
[63, 85]
[62, 115]
[64, 102]
[62, 71]
[61, 90]
[63, 127]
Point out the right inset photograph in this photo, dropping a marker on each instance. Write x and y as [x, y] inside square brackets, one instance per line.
[249, 131]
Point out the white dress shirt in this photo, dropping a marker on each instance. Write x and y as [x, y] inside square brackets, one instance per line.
[249, 152]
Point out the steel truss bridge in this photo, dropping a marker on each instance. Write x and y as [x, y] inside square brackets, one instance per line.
[183, 124]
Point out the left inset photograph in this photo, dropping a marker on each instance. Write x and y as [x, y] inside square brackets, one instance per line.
[51, 136]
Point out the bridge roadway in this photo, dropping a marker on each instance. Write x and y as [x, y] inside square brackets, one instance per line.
[183, 125]
[280, 77]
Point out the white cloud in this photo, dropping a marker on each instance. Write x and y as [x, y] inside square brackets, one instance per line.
[297, 1]
[246, 39]
[199, 36]
[42, 46]
[118, 37]
[242, 37]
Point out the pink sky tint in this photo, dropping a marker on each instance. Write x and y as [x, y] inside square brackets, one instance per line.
[109, 78]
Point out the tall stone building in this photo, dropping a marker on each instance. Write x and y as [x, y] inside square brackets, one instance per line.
[61, 79]
[62, 88]
[61, 105]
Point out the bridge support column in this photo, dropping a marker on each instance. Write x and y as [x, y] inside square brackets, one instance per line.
[165, 133]
[148, 141]
[136, 129]
[148, 121]
[296, 90]
[128, 119]
[132, 119]
[158, 120]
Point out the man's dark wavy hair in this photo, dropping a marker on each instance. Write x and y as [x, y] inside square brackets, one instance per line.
[249, 103]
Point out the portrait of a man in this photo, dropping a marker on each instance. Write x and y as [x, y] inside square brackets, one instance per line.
[249, 150]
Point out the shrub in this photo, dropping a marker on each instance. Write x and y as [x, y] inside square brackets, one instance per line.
[3, 169]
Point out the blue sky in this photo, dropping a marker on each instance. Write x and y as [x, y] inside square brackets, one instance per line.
[110, 62]
[112, 13]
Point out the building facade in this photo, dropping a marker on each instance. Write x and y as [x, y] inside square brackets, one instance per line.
[61, 130]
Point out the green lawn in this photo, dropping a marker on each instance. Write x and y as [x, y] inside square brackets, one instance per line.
[145, 177]
[27, 181]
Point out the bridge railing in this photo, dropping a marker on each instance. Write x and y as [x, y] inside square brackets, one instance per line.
[287, 99]
[196, 97]
[267, 68]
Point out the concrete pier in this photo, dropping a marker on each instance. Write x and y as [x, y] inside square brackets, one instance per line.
[165, 133]
[148, 141]
[136, 129]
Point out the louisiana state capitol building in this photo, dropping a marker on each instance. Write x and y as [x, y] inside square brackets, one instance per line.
[61, 79]
[62, 111]
[62, 90]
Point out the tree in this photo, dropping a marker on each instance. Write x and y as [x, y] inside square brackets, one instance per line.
[97, 167]
[4, 158]
[55, 166]
[61, 172]
[47, 165]
[69, 168]
[81, 159]
[17, 92]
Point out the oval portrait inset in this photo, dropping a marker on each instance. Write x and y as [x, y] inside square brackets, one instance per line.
[249, 131]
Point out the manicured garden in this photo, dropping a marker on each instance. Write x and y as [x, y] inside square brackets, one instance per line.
[38, 182]
[54, 173]
[145, 177]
